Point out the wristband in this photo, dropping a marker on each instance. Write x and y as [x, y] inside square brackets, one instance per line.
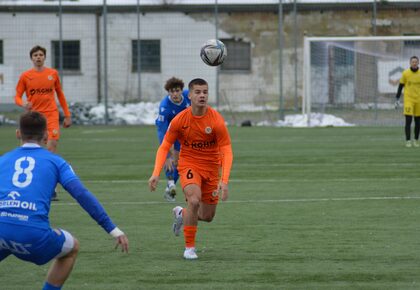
[116, 232]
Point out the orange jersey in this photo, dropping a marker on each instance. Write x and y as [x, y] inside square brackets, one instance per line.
[205, 142]
[40, 88]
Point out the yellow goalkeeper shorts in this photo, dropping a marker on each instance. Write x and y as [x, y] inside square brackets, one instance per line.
[411, 108]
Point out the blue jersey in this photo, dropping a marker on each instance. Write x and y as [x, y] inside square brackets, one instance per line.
[167, 111]
[28, 177]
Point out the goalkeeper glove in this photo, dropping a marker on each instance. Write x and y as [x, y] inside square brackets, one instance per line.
[397, 104]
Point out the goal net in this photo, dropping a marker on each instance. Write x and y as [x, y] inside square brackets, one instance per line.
[356, 78]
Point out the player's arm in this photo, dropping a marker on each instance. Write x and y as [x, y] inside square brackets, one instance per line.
[160, 159]
[162, 152]
[92, 206]
[225, 148]
[63, 103]
[20, 89]
[162, 124]
[400, 88]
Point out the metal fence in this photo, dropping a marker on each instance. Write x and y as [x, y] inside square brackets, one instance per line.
[123, 51]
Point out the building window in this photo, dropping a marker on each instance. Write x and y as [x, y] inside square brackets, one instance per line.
[149, 55]
[411, 48]
[71, 55]
[239, 56]
[1, 51]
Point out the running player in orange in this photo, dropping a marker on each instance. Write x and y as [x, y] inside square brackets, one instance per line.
[204, 162]
[40, 84]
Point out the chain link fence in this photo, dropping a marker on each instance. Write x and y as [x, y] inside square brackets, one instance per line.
[120, 52]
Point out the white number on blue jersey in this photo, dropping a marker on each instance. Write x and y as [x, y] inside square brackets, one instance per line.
[26, 171]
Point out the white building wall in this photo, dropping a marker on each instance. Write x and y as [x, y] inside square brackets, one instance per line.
[181, 38]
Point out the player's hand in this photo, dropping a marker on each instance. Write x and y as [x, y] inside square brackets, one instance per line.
[27, 106]
[224, 190]
[169, 164]
[397, 104]
[67, 122]
[122, 241]
[153, 182]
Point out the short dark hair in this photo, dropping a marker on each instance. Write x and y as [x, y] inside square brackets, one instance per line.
[32, 126]
[173, 82]
[198, 82]
[37, 48]
[414, 57]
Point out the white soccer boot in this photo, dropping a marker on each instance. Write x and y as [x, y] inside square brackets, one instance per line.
[172, 190]
[408, 144]
[190, 254]
[167, 195]
[177, 225]
[416, 143]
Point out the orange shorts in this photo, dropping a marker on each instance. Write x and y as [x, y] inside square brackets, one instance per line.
[53, 125]
[208, 181]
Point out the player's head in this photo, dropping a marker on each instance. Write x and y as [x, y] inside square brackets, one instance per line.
[414, 62]
[174, 87]
[198, 92]
[32, 127]
[37, 48]
[38, 55]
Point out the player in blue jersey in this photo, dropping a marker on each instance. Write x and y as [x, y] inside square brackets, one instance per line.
[28, 177]
[173, 103]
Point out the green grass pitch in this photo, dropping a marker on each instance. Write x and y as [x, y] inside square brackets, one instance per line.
[323, 208]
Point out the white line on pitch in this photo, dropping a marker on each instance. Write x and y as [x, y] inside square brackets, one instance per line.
[264, 200]
[264, 180]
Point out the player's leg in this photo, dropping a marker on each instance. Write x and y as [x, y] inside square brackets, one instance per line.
[408, 113]
[407, 129]
[416, 124]
[63, 263]
[53, 128]
[191, 182]
[210, 195]
[172, 175]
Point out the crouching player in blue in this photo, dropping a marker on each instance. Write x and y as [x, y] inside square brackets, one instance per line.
[172, 104]
[28, 177]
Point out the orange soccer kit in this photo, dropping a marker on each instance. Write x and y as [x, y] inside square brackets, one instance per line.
[205, 149]
[40, 88]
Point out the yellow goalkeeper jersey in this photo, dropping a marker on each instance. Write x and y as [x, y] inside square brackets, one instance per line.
[411, 82]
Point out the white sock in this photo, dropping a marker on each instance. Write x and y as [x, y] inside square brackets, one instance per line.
[170, 183]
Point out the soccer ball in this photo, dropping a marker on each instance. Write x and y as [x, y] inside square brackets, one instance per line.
[213, 52]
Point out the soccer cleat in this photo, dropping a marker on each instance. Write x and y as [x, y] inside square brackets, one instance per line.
[177, 225]
[172, 190]
[408, 144]
[190, 254]
[167, 195]
[416, 143]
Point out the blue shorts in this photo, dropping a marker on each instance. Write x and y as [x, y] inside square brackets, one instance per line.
[38, 246]
[177, 145]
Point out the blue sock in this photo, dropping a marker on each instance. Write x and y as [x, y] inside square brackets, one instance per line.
[48, 286]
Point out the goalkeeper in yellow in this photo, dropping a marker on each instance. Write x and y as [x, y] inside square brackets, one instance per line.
[410, 81]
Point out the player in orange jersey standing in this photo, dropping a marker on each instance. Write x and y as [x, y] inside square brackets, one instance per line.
[40, 84]
[204, 164]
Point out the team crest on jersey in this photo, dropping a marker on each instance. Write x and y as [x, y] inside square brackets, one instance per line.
[55, 132]
[50, 78]
[208, 130]
[215, 193]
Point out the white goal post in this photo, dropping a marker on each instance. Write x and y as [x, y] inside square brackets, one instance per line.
[354, 72]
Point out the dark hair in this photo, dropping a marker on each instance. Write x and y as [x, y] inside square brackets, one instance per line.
[37, 48]
[173, 83]
[32, 126]
[414, 57]
[198, 81]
